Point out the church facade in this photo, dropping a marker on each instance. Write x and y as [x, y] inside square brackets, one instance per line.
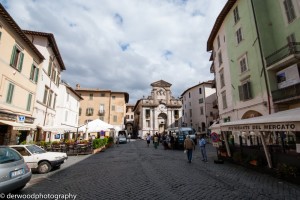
[157, 112]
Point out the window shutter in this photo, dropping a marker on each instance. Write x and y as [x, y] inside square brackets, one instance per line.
[241, 93]
[0, 35]
[13, 54]
[87, 112]
[29, 102]
[10, 93]
[21, 61]
[36, 75]
[49, 68]
[31, 72]
[248, 90]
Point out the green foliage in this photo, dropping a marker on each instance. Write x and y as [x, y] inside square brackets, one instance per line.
[110, 140]
[24, 142]
[42, 143]
[97, 143]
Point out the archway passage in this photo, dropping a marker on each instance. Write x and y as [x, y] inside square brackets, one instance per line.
[251, 114]
[162, 122]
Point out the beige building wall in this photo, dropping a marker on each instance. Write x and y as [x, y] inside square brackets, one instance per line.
[15, 81]
[105, 105]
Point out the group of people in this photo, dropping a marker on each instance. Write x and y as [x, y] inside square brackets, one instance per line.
[189, 145]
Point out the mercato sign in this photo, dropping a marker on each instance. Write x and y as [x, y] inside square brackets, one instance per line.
[262, 127]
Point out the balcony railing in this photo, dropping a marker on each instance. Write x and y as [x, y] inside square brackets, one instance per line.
[289, 49]
[290, 92]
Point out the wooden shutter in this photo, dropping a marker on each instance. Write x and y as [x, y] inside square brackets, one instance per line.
[20, 65]
[31, 72]
[248, 90]
[10, 93]
[13, 55]
[49, 68]
[29, 102]
[36, 75]
[241, 93]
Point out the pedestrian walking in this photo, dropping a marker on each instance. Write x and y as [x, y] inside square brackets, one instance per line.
[155, 139]
[189, 146]
[202, 144]
[148, 138]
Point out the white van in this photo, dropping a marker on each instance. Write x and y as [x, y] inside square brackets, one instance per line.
[180, 134]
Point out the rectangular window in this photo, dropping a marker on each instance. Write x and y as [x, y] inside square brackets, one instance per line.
[89, 111]
[220, 58]
[218, 40]
[115, 118]
[147, 113]
[54, 102]
[34, 73]
[102, 94]
[101, 109]
[50, 68]
[243, 64]
[50, 98]
[16, 60]
[239, 36]
[191, 112]
[113, 97]
[200, 90]
[113, 107]
[91, 96]
[80, 110]
[222, 79]
[189, 95]
[45, 95]
[224, 99]
[245, 91]
[29, 102]
[201, 100]
[201, 110]
[10, 93]
[289, 10]
[147, 123]
[236, 15]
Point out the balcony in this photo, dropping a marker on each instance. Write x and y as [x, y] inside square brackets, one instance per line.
[286, 94]
[288, 54]
[101, 112]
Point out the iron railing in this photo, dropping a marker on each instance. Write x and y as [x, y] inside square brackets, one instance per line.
[292, 91]
[289, 49]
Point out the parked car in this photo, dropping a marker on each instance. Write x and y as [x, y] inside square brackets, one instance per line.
[14, 172]
[122, 139]
[39, 159]
[180, 134]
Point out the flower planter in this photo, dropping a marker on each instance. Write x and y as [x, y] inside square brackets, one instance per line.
[98, 150]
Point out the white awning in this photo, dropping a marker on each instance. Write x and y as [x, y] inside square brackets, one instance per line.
[288, 120]
[60, 128]
[18, 126]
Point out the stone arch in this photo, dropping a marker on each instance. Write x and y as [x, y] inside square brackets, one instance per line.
[162, 122]
[251, 114]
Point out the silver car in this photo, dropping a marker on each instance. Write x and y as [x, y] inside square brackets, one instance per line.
[14, 172]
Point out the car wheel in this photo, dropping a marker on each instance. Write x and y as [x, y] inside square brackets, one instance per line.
[44, 167]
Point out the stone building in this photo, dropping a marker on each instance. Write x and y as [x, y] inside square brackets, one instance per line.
[158, 111]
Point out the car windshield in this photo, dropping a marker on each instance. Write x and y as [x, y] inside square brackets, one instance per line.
[188, 132]
[35, 149]
[8, 155]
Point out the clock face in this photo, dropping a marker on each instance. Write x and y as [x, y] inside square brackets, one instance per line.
[162, 107]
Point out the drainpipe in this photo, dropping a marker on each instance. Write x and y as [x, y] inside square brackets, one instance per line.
[262, 58]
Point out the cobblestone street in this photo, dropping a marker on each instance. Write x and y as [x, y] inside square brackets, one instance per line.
[135, 171]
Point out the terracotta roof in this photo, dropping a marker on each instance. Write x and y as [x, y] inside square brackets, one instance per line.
[19, 31]
[51, 38]
[218, 23]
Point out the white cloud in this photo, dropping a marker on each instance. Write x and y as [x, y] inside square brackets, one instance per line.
[125, 45]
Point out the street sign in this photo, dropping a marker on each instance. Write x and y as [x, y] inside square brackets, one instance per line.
[21, 118]
[214, 137]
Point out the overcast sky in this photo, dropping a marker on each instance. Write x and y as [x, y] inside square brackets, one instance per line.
[125, 45]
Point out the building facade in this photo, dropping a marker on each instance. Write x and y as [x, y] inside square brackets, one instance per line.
[158, 111]
[106, 105]
[48, 86]
[198, 110]
[129, 120]
[20, 63]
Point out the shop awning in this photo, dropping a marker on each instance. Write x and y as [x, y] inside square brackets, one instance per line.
[18, 126]
[288, 120]
[59, 128]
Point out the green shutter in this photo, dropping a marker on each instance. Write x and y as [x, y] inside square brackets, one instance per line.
[0, 35]
[31, 72]
[21, 61]
[36, 78]
[241, 93]
[10, 93]
[13, 54]
[29, 102]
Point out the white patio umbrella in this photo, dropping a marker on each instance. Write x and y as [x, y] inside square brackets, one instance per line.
[96, 125]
